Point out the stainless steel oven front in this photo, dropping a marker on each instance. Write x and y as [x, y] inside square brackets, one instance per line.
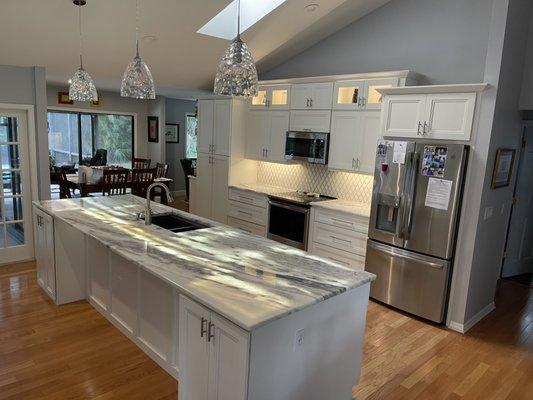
[288, 223]
[312, 147]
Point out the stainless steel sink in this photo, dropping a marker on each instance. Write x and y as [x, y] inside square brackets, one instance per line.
[175, 223]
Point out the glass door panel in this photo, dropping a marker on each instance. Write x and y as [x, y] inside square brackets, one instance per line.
[278, 97]
[259, 101]
[114, 133]
[63, 144]
[87, 140]
[373, 98]
[348, 95]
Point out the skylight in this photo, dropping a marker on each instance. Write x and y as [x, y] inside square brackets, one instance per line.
[224, 24]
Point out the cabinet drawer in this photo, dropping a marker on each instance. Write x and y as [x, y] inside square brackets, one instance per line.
[247, 226]
[247, 212]
[350, 222]
[242, 196]
[344, 258]
[340, 238]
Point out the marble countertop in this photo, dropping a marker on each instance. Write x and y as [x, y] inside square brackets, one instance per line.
[345, 206]
[248, 279]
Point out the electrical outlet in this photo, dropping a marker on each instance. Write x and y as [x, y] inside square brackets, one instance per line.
[298, 339]
[488, 212]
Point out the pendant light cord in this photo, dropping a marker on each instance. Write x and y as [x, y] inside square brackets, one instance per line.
[137, 26]
[239, 19]
[80, 35]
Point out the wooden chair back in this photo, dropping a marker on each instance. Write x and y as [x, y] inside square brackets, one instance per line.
[114, 181]
[141, 163]
[64, 191]
[140, 180]
[161, 170]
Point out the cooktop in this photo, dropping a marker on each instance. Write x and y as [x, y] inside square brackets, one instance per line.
[300, 197]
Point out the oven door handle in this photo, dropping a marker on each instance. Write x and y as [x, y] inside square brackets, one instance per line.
[302, 210]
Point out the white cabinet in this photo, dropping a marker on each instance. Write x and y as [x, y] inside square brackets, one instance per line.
[214, 126]
[353, 140]
[44, 251]
[248, 211]
[312, 96]
[213, 356]
[310, 121]
[360, 94]
[446, 116]
[266, 132]
[211, 196]
[274, 97]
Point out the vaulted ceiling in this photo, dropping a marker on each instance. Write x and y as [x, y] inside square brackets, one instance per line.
[183, 62]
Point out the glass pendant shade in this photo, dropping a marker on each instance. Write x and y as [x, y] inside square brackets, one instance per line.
[82, 87]
[236, 73]
[137, 81]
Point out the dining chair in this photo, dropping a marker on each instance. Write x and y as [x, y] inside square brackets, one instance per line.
[141, 163]
[114, 181]
[161, 170]
[140, 180]
[64, 190]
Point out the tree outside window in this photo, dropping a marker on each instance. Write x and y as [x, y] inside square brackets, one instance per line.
[191, 136]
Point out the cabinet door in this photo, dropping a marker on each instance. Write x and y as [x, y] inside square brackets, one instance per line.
[278, 97]
[259, 102]
[257, 134]
[403, 115]
[347, 95]
[322, 96]
[370, 134]
[222, 127]
[193, 358]
[205, 125]
[228, 361]
[278, 125]
[345, 138]
[219, 196]
[449, 116]
[39, 246]
[49, 256]
[310, 121]
[372, 99]
[204, 185]
[300, 96]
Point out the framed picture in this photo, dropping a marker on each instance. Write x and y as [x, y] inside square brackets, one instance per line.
[503, 168]
[153, 129]
[63, 98]
[172, 133]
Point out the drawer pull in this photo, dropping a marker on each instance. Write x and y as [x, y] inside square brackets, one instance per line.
[340, 221]
[245, 212]
[336, 239]
[245, 198]
[339, 261]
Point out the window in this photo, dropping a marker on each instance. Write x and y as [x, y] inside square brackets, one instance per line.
[191, 137]
[74, 137]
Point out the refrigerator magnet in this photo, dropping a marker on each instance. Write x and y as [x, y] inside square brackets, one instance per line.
[438, 193]
[434, 161]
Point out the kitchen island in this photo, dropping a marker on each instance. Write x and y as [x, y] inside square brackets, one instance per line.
[231, 315]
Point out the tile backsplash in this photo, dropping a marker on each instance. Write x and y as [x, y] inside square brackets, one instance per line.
[317, 178]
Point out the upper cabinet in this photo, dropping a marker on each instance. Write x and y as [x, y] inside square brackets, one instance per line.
[432, 112]
[267, 131]
[361, 94]
[312, 96]
[274, 97]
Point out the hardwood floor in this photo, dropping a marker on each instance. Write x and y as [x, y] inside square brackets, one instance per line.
[72, 352]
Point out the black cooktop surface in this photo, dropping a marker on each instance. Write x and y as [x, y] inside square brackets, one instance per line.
[301, 197]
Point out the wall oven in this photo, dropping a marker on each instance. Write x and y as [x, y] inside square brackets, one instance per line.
[288, 223]
[312, 147]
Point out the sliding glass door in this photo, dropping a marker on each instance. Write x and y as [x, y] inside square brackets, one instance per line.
[74, 137]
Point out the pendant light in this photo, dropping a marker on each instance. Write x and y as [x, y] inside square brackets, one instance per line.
[81, 84]
[137, 81]
[236, 73]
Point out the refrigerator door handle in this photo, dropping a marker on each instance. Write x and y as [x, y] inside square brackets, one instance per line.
[409, 193]
[393, 251]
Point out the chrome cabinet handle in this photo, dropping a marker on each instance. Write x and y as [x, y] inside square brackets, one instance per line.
[307, 102]
[203, 330]
[340, 221]
[426, 128]
[245, 213]
[211, 333]
[418, 130]
[353, 163]
[311, 102]
[334, 238]
[266, 153]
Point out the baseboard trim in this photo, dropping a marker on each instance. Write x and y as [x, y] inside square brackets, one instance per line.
[463, 328]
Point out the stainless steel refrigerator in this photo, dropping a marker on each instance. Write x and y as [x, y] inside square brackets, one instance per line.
[415, 206]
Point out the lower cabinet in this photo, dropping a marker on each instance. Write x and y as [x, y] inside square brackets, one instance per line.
[44, 251]
[213, 355]
[248, 211]
[211, 191]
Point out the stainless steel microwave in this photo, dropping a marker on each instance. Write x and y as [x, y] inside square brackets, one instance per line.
[312, 147]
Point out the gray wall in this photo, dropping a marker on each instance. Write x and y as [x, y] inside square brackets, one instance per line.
[444, 40]
[26, 85]
[112, 102]
[156, 150]
[526, 98]
[175, 114]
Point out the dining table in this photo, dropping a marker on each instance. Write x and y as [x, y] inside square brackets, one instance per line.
[98, 187]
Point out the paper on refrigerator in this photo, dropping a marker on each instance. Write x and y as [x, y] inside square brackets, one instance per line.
[398, 156]
[438, 193]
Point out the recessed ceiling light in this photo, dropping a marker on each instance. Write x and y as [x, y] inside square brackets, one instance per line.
[149, 38]
[311, 7]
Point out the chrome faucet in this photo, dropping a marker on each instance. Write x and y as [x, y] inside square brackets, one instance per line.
[148, 210]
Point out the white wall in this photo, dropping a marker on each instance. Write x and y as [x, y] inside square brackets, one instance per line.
[26, 85]
[175, 114]
[444, 40]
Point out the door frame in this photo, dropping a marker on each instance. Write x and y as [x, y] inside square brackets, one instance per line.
[29, 110]
[517, 164]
